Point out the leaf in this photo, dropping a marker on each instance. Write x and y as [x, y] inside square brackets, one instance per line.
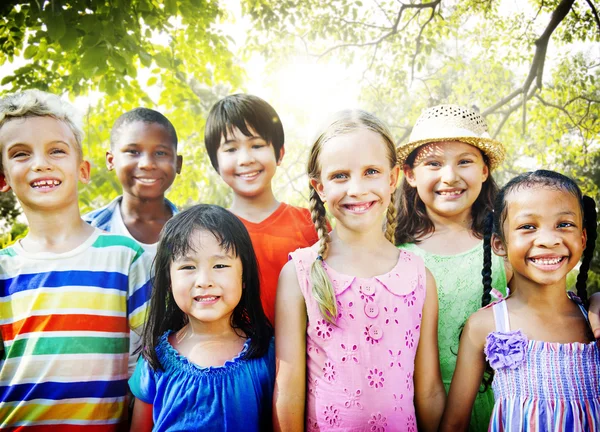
[7, 79]
[55, 25]
[30, 52]
[69, 40]
[151, 81]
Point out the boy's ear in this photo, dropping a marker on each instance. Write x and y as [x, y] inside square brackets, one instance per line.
[4, 186]
[281, 153]
[110, 161]
[84, 172]
[318, 186]
[179, 163]
[409, 174]
[498, 245]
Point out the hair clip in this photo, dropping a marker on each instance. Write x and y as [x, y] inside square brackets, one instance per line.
[320, 258]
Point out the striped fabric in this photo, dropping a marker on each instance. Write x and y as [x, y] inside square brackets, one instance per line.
[64, 321]
[556, 388]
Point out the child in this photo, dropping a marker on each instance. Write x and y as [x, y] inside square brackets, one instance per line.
[445, 195]
[356, 318]
[244, 140]
[143, 153]
[208, 358]
[69, 293]
[538, 342]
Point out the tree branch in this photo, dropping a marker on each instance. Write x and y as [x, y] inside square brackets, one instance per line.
[536, 71]
[594, 13]
[392, 31]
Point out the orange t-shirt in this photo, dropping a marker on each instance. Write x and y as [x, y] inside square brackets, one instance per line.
[288, 228]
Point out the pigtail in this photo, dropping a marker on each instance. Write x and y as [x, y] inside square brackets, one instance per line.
[322, 289]
[486, 272]
[590, 223]
[391, 216]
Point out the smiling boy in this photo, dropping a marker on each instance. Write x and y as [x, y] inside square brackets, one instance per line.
[244, 139]
[69, 293]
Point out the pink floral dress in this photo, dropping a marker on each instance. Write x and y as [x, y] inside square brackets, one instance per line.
[360, 372]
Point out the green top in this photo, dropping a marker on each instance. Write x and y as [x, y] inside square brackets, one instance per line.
[459, 287]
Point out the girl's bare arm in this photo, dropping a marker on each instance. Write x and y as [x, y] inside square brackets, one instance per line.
[141, 420]
[429, 390]
[289, 396]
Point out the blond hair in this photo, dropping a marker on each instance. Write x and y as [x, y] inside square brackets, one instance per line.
[344, 122]
[37, 103]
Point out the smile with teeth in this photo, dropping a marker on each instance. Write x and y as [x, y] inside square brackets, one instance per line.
[45, 183]
[547, 261]
[250, 175]
[206, 299]
[146, 180]
[450, 193]
[359, 207]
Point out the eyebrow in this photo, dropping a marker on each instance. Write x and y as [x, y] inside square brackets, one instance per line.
[29, 145]
[251, 137]
[564, 213]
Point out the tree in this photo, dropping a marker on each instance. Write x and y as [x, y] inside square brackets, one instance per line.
[543, 103]
[124, 49]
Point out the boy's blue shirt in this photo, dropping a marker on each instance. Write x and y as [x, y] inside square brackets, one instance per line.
[102, 217]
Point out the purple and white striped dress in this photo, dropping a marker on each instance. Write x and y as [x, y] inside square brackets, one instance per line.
[542, 386]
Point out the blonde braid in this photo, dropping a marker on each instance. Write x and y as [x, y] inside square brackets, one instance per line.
[322, 289]
[392, 221]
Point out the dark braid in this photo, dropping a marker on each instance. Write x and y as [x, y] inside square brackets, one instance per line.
[590, 224]
[486, 272]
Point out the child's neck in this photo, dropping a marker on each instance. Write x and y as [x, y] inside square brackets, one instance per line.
[452, 235]
[539, 297]
[143, 210]
[56, 232]
[256, 208]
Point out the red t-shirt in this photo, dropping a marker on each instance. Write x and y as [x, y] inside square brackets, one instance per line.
[288, 228]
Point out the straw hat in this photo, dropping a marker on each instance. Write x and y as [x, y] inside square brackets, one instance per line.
[452, 123]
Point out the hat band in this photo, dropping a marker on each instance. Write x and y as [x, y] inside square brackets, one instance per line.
[437, 132]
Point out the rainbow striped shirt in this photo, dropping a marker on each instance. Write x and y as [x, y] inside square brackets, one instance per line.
[64, 321]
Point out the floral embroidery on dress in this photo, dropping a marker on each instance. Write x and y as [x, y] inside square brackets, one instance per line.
[352, 399]
[505, 349]
[324, 329]
[411, 425]
[378, 423]
[329, 371]
[409, 381]
[395, 358]
[375, 378]
[350, 353]
[409, 339]
[312, 425]
[312, 387]
[310, 347]
[391, 319]
[331, 415]
[368, 336]
[345, 310]
[397, 401]
[410, 299]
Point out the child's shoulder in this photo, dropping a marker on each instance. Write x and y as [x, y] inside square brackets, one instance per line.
[102, 216]
[481, 323]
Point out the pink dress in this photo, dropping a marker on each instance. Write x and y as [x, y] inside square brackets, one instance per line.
[360, 372]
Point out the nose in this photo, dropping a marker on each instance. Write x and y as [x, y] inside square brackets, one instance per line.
[245, 156]
[41, 163]
[146, 161]
[356, 187]
[547, 237]
[449, 175]
[203, 279]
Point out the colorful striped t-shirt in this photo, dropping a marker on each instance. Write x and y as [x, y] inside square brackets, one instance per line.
[64, 321]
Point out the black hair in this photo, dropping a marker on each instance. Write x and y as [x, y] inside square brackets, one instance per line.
[413, 221]
[242, 111]
[176, 240]
[548, 179]
[145, 115]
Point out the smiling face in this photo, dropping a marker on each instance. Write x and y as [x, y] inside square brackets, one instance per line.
[207, 281]
[448, 177]
[145, 160]
[356, 179]
[42, 163]
[543, 234]
[247, 163]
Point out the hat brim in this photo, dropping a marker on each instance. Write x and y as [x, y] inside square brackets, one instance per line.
[494, 150]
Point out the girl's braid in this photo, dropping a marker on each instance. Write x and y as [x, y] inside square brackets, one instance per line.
[392, 221]
[590, 220]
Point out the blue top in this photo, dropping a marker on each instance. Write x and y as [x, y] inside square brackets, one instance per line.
[234, 397]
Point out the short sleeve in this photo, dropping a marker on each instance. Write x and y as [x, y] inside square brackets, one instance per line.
[142, 383]
[139, 289]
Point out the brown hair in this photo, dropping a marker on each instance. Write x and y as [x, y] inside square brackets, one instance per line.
[344, 122]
